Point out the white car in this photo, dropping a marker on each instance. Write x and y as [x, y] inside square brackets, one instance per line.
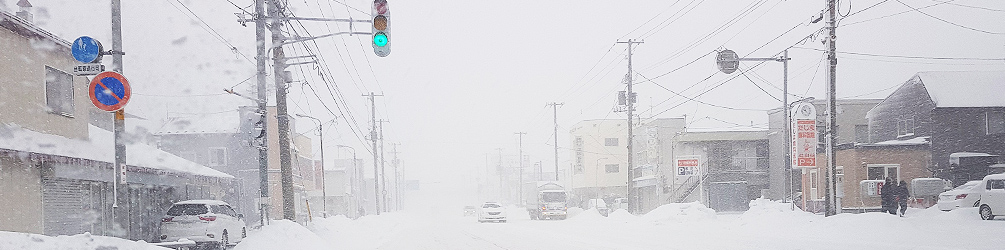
[207, 222]
[966, 195]
[491, 211]
[993, 198]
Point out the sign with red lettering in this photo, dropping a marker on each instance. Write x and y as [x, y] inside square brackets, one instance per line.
[688, 165]
[804, 138]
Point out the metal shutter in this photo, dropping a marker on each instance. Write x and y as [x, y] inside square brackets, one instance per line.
[64, 206]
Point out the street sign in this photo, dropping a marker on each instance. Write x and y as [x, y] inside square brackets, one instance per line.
[687, 165]
[804, 139]
[86, 50]
[88, 69]
[109, 91]
[728, 61]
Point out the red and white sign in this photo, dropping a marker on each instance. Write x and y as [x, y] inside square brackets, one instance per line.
[804, 137]
[688, 165]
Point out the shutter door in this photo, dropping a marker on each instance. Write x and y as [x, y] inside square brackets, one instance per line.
[64, 206]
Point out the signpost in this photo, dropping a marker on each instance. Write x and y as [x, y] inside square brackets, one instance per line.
[86, 50]
[804, 141]
[109, 91]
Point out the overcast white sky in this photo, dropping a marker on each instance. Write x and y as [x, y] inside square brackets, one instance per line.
[463, 76]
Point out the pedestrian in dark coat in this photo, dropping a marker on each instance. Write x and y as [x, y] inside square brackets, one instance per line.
[888, 194]
[902, 195]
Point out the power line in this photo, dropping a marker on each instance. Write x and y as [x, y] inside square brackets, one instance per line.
[909, 57]
[209, 29]
[946, 21]
[696, 100]
[758, 86]
[895, 14]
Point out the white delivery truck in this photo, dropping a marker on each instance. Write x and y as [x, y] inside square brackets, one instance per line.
[546, 200]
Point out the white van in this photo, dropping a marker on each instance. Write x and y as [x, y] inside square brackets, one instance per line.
[993, 199]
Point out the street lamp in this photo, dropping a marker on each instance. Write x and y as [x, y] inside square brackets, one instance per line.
[359, 173]
[596, 178]
[324, 190]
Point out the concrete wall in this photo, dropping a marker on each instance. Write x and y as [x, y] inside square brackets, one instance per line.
[21, 193]
[593, 134]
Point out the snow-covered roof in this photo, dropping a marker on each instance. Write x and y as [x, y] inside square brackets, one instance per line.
[100, 147]
[225, 122]
[969, 154]
[913, 141]
[965, 88]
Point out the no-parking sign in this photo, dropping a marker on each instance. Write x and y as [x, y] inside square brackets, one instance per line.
[109, 91]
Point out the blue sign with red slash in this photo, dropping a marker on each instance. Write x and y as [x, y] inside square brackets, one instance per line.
[109, 91]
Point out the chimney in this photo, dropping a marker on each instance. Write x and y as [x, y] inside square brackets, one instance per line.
[25, 11]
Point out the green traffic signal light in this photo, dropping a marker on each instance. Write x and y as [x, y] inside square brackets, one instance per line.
[380, 39]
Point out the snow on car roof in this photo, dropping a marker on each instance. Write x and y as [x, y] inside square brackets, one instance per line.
[205, 202]
[995, 176]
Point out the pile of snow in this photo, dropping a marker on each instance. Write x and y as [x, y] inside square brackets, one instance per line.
[573, 211]
[765, 206]
[588, 215]
[680, 212]
[282, 234]
[85, 241]
[622, 215]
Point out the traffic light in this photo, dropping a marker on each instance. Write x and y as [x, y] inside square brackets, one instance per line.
[380, 14]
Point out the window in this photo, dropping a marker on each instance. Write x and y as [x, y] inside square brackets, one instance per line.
[59, 91]
[217, 156]
[995, 184]
[905, 125]
[882, 171]
[610, 141]
[221, 209]
[995, 122]
[612, 168]
[187, 209]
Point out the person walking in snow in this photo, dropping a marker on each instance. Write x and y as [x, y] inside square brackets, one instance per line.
[888, 195]
[902, 195]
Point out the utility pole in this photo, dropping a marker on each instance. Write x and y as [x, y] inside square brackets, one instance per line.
[520, 159]
[831, 107]
[276, 12]
[554, 107]
[499, 170]
[263, 153]
[632, 200]
[321, 140]
[373, 139]
[397, 180]
[383, 174]
[120, 207]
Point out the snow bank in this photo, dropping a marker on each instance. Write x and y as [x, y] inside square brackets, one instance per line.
[588, 215]
[85, 241]
[622, 215]
[573, 211]
[282, 234]
[762, 206]
[680, 212]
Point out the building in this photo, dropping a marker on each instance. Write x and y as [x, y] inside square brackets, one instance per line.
[655, 142]
[56, 169]
[600, 159]
[225, 141]
[852, 128]
[860, 167]
[732, 168]
[962, 115]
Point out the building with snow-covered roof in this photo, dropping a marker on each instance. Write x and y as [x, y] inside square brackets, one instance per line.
[56, 170]
[959, 112]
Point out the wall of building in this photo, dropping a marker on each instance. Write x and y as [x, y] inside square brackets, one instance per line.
[963, 130]
[594, 153]
[909, 101]
[914, 163]
[23, 86]
[21, 191]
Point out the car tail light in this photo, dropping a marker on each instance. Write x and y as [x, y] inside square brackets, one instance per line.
[961, 196]
[167, 219]
[207, 218]
[544, 208]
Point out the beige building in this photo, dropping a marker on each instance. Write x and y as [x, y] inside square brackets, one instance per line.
[600, 159]
[55, 168]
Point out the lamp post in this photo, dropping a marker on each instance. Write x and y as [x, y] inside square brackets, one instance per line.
[324, 190]
[596, 176]
[354, 169]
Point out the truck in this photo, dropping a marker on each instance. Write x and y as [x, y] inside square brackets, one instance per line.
[546, 200]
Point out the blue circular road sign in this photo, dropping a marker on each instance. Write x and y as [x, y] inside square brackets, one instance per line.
[86, 49]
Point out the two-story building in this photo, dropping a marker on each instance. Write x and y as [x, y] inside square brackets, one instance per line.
[600, 159]
[56, 169]
[732, 168]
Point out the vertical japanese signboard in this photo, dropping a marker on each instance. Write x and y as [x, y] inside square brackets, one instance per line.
[804, 136]
[687, 165]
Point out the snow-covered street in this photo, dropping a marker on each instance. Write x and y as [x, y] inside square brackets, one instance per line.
[767, 225]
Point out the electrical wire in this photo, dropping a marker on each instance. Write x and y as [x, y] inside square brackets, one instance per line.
[209, 29]
[894, 14]
[696, 100]
[909, 57]
[952, 23]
